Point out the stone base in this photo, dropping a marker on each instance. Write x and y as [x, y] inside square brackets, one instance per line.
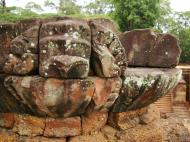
[143, 133]
[143, 125]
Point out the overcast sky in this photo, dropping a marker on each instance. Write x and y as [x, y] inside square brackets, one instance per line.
[177, 5]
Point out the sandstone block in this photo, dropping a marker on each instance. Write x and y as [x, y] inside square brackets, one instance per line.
[65, 48]
[151, 115]
[110, 133]
[126, 120]
[108, 55]
[26, 125]
[106, 92]
[9, 103]
[7, 33]
[26, 64]
[107, 23]
[6, 136]
[63, 127]
[143, 133]
[40, 139]
[143, 86]
[22, 57]
[97, 137]
[145, 48]
[51, 97]
[7, 120]
[93, 121]
[26, 24]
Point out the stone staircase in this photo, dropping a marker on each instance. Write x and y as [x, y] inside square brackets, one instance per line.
[182, 112]
[165, 104]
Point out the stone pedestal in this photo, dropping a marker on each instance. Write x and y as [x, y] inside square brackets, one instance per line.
[66, 79]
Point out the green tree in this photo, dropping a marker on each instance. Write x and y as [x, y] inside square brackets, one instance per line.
[17, 13]
[181, 28]
[33, 7]
[165, 18]
[3, 3]
[131, 14]
[178, 24]
[184, 39]
[2, 6]
[51, 4]
[66, 7]
[98, 7]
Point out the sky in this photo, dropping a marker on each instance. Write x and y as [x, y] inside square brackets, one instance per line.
[177, 5]
[180, 5]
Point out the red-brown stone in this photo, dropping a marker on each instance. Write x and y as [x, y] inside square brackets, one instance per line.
[51, 97]
[40, 139]
[65, 49]
[146, 48]
[126, 120]
[151, 115]
[109, 24]
[63, 127]
[7, 33]
[8, 103]
[108, 55]
[26, 125]
[93, 120]
[106, 92]
[96, 137]
[20, 51]
[7, 120]
[6, 136]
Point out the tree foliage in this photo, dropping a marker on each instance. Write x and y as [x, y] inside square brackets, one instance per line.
[98, 7]
[2, 3]
[132, 14]
[2, 6]
[184, 38]
[165, 15]
[65, 7]
[178, 24]
[33, 6]
[17, 13]
[68, 7]
[13, 13]
[51, 4]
